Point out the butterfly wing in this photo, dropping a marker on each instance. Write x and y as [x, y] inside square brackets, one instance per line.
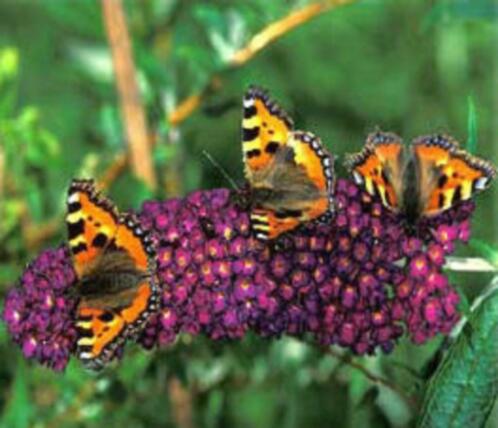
[113, 258]
[447, 174]
[379, 168]
[265, 129]
[135, 241]
[91, 223]
[297, 189]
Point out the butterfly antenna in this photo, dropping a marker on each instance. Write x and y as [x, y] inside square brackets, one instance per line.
[217, 165]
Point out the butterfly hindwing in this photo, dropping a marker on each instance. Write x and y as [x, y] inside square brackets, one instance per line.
[447, 175]
[379, 167]
[134, 240]
[318, 166]
[269, 224]
[130, 237]
[114, 260]
[297, 188]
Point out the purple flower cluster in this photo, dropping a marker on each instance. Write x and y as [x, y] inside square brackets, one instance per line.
[345, 282]
[425, 296]
[358, 281]
[38, 313]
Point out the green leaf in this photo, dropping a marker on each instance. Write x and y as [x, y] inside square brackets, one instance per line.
[93, 60]
[485, 250]
[358, 387]
[163, 154]
[471, 125]
[464, 305]
[393, 407]
[18, 410]
[110, 126]
[214, 408]
[35, 201]
[9, 63]
[464, 388]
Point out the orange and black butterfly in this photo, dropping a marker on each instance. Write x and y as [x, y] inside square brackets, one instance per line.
[114, 260]
[424, 179]
[290, 173]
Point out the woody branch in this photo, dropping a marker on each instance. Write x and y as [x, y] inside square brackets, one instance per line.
[132, 109]
[256, 44]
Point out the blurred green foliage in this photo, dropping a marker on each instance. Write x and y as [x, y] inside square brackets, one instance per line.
[412, 67]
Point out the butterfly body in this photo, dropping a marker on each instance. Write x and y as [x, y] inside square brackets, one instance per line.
[423, 179]
[114, 261]
[113, 275]
[290, 173]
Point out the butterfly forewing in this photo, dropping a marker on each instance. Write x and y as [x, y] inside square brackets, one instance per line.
[91, 223]
[447, 175]
[265, 129]
[380, 167]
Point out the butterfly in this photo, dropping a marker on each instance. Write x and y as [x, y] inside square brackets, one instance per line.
[430, 176]
[290, 173]
[114, 259]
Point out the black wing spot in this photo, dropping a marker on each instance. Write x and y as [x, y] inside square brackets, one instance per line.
[249, 134]
[457, 196]
[272, 147]
[376, 191]
[442, 181]
[106, 317]
[79, 248]
[85, 348]
[100, 240]
[441, 200]
[288, 213]
[250, 112]
[253, 153]
[73, 207]
[84, 332]
[76, 229]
